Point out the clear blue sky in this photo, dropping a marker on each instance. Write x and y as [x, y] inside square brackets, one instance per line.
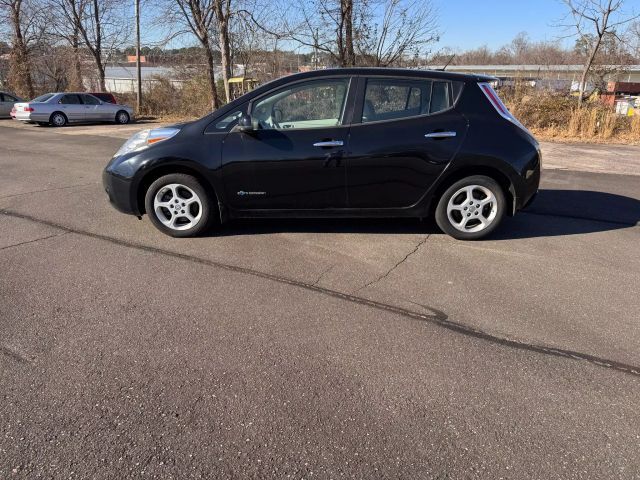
[469, 24]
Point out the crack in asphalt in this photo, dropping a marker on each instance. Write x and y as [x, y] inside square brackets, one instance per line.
[388, 272]
[322, 274]
[437, 317]
[13, 354]
[26, 242]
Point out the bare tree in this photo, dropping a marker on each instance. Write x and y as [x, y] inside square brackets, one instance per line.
[595, 20]
[20, 15]
[53, 66]
[249, 42]
[99, 24]
[326, 26]
[200, 17]
[350, 32]
[406, 26]
[66, 25]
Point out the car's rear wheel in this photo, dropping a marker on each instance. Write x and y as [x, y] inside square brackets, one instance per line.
[122, 117]
[471, 208]
[179, 205]
[58, 119]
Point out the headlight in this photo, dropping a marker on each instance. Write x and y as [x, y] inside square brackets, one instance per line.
[143, 139]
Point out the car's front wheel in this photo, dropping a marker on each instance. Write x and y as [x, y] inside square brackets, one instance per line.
[179, 205]
[471, 208]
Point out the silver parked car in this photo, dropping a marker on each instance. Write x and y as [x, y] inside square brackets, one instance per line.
[58, 109]
[6, 103]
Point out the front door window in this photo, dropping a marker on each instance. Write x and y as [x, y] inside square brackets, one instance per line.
[314, 104]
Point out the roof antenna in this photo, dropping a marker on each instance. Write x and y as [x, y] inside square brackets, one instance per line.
[448, 62]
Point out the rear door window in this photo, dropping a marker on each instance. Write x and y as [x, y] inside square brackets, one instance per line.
[71, 99]
[392, 99]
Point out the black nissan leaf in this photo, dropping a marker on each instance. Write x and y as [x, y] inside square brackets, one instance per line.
[356, 142]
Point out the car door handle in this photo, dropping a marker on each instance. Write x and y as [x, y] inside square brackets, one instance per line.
[440, 135]
[329, 143]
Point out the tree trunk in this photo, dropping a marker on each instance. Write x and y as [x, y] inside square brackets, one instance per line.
[97, 51]
[347, 13]
[225, 49]
[20, 67]
[601, 30]
[215, 101]
[97, 55]
[585, 71]
[76, 82]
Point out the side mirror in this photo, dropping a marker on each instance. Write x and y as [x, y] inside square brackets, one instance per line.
[245, 124]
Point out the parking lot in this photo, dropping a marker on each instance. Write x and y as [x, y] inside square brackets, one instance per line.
[315, 348]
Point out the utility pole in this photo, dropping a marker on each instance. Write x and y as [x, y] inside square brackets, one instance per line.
[138, 67]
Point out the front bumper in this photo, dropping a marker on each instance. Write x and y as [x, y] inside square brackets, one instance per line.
[120, 193]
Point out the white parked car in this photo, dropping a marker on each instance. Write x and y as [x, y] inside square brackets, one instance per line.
[58, 109]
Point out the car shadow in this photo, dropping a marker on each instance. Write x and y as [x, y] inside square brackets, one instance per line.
[552, 213]
[571, 212]
[326, 225]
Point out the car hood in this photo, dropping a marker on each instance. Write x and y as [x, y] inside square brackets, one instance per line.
[179, 125]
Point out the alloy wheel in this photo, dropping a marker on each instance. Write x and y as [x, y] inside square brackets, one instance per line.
[472, 208]
[177, 206]
[58, 120]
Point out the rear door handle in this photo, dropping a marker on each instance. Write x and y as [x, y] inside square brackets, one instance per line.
[440, 135]
[329, 143]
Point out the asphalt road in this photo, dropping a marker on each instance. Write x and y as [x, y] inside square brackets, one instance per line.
[313, 349]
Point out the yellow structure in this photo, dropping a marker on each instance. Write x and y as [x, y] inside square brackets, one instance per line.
[240, 85]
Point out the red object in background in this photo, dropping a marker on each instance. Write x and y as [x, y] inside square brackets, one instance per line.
[132, 59]
[105, 97]
[617, 89]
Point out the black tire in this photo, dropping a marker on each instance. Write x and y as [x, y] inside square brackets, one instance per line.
[470, 213]
[58, 119]
[122, 117]
[206, 208]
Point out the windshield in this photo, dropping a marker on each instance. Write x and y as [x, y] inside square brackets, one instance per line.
[43, 98]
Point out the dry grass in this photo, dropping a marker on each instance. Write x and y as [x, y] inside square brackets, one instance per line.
[557, 117]
[167, 102]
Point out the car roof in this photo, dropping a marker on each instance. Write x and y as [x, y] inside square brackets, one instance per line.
[395, 72]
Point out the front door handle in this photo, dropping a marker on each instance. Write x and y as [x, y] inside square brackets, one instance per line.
[440, 135]
[329, 143]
